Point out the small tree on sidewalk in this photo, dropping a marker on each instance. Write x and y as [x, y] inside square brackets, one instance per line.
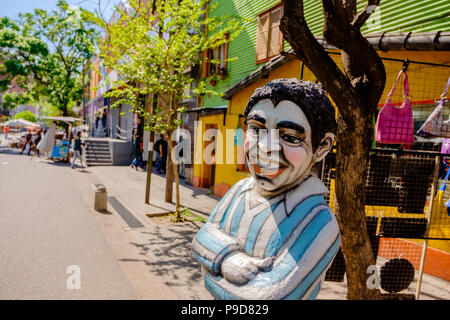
[356, 92]
[152, 45]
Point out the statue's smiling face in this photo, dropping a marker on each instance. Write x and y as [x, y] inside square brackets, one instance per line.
[278, 144]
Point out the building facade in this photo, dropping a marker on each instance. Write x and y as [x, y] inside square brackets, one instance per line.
[419, 35]
[417, 31]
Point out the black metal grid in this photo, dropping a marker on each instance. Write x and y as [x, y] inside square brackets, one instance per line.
[402, 182]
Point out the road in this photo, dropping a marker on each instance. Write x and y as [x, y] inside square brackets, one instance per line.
[50, 244]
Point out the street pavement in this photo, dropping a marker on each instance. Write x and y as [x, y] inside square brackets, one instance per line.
[46, 227]
[47, 223]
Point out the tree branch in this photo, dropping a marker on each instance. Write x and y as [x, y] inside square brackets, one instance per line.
[311, 52]
[361, 18]
[350, 7]
[362, 65]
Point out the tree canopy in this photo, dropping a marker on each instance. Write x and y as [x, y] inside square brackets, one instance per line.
[14, 99]
[46, 52]
[168, 39]
[27, 115]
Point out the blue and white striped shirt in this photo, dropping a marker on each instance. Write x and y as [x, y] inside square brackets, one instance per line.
[296, 228]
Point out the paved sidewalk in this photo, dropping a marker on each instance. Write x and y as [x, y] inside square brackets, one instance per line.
[167, 245]
[129, 185]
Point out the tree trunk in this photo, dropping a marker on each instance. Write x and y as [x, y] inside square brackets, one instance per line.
[149, 110]
[169, 168]
[177, 182]
[172, 168]
[169, 176]
[353, 148]
[149, 169]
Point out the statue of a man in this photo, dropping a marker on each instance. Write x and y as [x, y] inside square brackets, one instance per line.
[273, 236]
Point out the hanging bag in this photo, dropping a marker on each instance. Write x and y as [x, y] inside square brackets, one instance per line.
[435, 126]
[395, 125]
[445, 149]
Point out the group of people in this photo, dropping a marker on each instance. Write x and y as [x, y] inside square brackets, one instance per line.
[160, 147]
[101, 120]
[31, 142]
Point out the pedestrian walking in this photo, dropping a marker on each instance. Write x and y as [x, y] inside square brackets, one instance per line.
[104, 117]
[137, 150]
[28, 141]
[157, 156]
[6, 131]
[37, 139]
[77, 151]
[133, 151]
[162, 146]
[97, 119]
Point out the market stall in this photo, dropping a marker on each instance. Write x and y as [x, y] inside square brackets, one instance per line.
[61, 143]
[15, 126]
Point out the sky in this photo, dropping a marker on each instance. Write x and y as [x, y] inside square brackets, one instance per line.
[11, 8]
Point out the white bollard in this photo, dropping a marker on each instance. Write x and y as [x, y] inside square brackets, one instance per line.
[101, 197]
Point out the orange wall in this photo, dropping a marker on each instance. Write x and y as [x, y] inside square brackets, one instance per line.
[437, 262]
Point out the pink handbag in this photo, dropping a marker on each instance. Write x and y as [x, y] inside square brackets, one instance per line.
[395, 124]
[445, 149]
[435, 126]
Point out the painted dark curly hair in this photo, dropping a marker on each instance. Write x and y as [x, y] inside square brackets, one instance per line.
[309, 96]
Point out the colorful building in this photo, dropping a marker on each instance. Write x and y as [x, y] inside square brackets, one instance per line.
[414, 30]
[420, 35]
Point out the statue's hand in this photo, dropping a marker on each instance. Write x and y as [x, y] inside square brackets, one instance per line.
[239, 268]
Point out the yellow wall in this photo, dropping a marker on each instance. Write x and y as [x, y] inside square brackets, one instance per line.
[433, 79]
[200, 167]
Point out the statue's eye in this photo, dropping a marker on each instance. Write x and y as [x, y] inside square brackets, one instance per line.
[291, 139]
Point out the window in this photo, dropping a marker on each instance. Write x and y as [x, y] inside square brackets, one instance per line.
[269, 39]
[219, 53]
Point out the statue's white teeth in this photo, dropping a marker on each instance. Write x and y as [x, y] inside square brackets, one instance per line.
[268, 164]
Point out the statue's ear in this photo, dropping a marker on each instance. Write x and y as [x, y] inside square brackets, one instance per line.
[324, 147]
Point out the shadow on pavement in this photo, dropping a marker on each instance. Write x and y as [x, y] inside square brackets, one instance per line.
[195, 210]
[104, 212]
[195, 190]
[8, 150]
[171, 246]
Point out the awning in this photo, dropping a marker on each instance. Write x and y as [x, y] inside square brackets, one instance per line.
[64, 119]
[209, 111]
[436, 40]
[19, 123]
